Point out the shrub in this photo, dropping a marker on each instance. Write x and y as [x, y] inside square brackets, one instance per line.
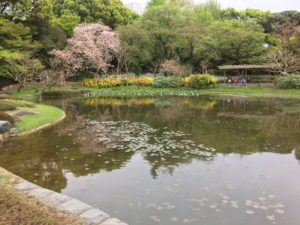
[9, 105]
[118, 81]
[291, 81]
[104, 82]
[165, 82]
[201, 81]
[173, 68]
[140, 81]
[5, 116]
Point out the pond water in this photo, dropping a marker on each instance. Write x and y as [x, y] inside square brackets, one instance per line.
[171, 160]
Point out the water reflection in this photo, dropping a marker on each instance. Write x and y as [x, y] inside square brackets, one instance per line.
[167, 138]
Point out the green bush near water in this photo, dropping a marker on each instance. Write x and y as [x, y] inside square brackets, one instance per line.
[9, 105]
[201, 81]
[166, 82]
[289, 82]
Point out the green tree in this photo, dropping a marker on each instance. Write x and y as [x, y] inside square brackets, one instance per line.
[110, 12]
[211, 7]
[17, 52]
[266, 19]
[67, 21]
[232, 42]
[21, 10]
[290, 18]
[162, 22]
[136, 48]
[179, 3]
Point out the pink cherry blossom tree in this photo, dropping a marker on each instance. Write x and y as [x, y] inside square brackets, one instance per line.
[92, 48]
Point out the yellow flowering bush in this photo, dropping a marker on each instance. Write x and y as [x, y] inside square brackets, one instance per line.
[103, 82]
[115, 81]
[140, 81]
[201, 81]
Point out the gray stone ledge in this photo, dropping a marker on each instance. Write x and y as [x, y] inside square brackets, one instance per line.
[24, 186]
[55, 199]
[75, 206]
[40, 193]
[113, 221]
[90, 215]
[94, 216]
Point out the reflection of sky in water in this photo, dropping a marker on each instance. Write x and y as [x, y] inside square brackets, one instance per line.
[171, 160]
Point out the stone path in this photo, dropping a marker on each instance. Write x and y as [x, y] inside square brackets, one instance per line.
[90, 215]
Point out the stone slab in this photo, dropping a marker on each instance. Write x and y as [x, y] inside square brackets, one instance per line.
[40, 193]
[113, 221]
[54, 199]
[94, 216]
[25, 186]
[74, 206]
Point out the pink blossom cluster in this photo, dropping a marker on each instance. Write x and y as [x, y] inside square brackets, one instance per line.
[172, 67]
[92, 48]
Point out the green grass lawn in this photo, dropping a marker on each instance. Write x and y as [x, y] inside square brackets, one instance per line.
[219, 91]
[44, 114]
[132, 91]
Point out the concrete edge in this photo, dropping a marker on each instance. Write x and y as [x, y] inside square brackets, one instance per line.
[81, 210]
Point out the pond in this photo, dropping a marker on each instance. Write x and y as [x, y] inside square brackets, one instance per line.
[171, 160]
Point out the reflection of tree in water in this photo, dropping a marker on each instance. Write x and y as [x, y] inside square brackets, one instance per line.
[82, 164]
[230, 126]
[87, 155]
[30, 159]
[162, 148]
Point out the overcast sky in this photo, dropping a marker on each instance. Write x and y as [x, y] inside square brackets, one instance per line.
[273, 5]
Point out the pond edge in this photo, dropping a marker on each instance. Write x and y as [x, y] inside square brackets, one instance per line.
[42, 127]
[52, 199]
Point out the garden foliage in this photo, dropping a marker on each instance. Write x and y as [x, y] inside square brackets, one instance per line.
[201, 81]
[291, 81]
[115, 81]
[166, 82]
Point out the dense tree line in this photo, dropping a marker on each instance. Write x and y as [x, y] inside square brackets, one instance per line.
[205, 36]
[40, 35]
[31, 29]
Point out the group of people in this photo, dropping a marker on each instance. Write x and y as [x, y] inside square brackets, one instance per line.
[237, 80]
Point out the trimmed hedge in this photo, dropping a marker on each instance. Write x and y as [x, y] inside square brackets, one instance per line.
[291, 81]
[166, 82]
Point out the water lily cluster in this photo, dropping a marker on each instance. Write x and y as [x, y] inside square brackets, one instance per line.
[138, 136]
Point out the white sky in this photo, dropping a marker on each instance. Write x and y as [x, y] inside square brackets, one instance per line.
[273, 5]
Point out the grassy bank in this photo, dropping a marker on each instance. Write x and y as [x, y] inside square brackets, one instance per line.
[132, 91]
[29, 116]
[219, 91]
[42, 115]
